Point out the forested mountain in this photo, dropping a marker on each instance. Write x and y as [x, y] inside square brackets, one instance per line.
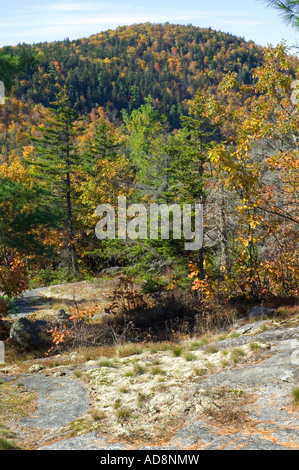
[118, 69]
[161, 114]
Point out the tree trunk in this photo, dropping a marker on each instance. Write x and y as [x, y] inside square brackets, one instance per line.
[71, 242]
[224, 262]
[202, 200]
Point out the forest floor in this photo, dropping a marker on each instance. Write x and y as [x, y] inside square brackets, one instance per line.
[233, 389]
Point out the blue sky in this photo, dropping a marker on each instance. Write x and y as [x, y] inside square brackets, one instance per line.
[33, 21]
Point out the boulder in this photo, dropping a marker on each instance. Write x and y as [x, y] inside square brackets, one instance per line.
[260, 312]
[24, 333]
[61, 315]
[35, 368]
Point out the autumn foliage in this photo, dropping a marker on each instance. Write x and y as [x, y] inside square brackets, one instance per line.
[161, 114]
[13, 279]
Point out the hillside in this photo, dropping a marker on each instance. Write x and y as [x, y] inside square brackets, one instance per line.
[220, 129]
[118, 69]
[149, 255]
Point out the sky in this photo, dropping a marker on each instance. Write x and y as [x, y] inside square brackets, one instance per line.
[34, 21]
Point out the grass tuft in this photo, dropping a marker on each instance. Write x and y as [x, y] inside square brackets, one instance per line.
[6, 444]
[295, 394]
[123, 414]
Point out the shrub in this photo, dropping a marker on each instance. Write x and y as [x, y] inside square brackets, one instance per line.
[13, 279]
[162, 315]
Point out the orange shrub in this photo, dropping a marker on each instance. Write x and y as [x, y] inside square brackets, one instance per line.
[13, 279]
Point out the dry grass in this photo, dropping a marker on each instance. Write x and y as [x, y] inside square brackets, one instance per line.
[128, 350]
[16, 402]
[226, 406]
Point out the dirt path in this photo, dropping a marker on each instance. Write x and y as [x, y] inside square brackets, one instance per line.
[45, 301]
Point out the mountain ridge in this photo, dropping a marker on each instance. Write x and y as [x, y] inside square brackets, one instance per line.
[118, 69]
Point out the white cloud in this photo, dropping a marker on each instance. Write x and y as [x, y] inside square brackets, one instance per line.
[85, 6]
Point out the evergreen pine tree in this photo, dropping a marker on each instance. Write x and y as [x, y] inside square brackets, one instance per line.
[57, 160]
[189, 152]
